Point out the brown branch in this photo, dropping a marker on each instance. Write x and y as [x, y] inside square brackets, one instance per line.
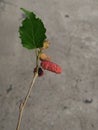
[24, 102]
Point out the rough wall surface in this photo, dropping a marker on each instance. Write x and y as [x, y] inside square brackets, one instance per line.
[58, 102]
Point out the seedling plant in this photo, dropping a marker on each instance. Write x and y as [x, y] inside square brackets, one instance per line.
[33, 36]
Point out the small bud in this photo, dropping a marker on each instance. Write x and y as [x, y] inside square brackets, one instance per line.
[45, 44]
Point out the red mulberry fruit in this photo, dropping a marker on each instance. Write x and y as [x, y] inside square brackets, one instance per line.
[47, 65]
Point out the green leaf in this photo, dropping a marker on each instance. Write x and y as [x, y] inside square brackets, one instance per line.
[32, 32]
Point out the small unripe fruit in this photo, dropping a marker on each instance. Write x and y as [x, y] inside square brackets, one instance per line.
[46, 44]
[43, 56]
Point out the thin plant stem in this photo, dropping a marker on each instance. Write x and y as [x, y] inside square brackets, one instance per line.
[36, 53]
[24, 102]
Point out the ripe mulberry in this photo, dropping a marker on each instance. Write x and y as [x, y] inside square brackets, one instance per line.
[47, 65]
[40, 71]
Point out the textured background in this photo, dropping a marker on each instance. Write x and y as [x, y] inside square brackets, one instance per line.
[58, 102]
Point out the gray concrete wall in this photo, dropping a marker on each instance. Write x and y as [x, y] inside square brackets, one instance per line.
[58, 102]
